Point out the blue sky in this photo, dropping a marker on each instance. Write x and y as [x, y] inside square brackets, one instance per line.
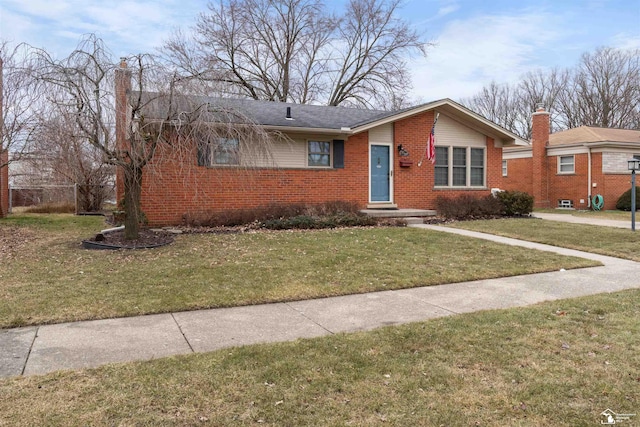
[476, 41]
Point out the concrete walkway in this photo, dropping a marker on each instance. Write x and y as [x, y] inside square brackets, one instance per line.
[584, 220]
[47, 348]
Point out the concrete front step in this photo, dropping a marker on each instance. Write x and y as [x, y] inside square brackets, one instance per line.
[398, 213]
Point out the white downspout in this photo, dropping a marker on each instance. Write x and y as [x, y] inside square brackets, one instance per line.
[589, 178]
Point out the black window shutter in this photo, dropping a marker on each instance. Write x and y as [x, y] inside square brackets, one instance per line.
[338, 154]
[204, 154]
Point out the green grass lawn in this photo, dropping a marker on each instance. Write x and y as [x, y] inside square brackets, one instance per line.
[557, 363]
[611, 241]
[612, 214]
[47, 276]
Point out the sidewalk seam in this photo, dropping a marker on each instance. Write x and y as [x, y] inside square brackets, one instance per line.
[26, 360]
[182, 332]
[402, 294]
[308, 318]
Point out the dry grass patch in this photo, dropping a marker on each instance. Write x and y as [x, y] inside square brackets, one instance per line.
[557, 363]
[53, 280]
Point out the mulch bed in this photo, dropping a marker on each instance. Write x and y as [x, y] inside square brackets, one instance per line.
[115, 240]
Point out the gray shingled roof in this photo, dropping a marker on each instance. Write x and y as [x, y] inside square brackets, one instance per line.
[267, 113]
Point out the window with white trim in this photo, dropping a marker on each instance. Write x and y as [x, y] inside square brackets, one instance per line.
[566, 164]
[319, 154]
[459, 167]
[504, 168]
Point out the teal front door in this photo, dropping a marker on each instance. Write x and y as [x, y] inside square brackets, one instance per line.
[380, 173]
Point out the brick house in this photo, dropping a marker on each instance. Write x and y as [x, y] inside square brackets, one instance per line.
[372, 158]
[567, 169]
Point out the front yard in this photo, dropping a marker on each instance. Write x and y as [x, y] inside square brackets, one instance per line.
[556, 363]
[560, 363]
[47, 277]
[616, 242]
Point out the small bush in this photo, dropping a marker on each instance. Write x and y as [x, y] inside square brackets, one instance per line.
[467, 206]
[281, 217]
[624, 201]
[516, 202]
[47, 208]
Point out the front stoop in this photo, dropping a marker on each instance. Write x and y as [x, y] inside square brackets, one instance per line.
[399, 213]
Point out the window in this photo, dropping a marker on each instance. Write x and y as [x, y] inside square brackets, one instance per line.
[225, 152]
[504, 168]
[319, 154]
[566, 164]
[477, 167]
[442, 166]
[459, 167]
[220, 151]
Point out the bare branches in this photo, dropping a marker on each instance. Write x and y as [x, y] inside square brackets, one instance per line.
[294, 51]
[22, 99]
[602, 90]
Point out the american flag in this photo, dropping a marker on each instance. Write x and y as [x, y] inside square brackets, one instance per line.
[431, 145]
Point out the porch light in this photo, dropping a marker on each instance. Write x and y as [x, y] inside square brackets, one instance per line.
[634, 165]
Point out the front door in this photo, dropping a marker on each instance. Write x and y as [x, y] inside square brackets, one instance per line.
[380, 173]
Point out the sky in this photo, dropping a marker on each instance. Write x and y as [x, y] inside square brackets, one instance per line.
[474, 42]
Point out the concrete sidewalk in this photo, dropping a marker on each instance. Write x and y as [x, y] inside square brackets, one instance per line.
[584, 220]
[47, 348]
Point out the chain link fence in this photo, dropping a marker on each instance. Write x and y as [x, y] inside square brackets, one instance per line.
[79, 198]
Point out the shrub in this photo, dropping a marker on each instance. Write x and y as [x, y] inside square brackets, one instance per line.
[281, 217]
[467, 206]
[624, 201]
[516, 202]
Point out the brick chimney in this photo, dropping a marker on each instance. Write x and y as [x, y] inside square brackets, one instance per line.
[540, 171]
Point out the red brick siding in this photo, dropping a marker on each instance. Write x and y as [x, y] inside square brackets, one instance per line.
[172, 187]
[414, 186]
[519, 176]
[569, 186]
[540, 164]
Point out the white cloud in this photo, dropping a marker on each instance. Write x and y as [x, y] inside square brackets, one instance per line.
[471, 53]
[126, 26]
[626, 41]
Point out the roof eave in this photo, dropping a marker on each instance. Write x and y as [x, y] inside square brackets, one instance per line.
[612, 144]
[314, 130]
[447, 105]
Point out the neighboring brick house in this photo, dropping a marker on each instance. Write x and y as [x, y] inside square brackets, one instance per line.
[567, 169]
[371, 158]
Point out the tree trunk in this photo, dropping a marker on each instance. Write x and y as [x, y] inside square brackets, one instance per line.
[132, 192]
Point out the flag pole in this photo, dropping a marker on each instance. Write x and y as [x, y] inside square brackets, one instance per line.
[429, 150]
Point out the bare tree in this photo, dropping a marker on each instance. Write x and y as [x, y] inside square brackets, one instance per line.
[135, 129]
[61, 148]
[22, 99]
[498, 103]
[603, 90]
[294, 51]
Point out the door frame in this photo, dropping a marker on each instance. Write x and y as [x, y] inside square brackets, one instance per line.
[391, 163]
